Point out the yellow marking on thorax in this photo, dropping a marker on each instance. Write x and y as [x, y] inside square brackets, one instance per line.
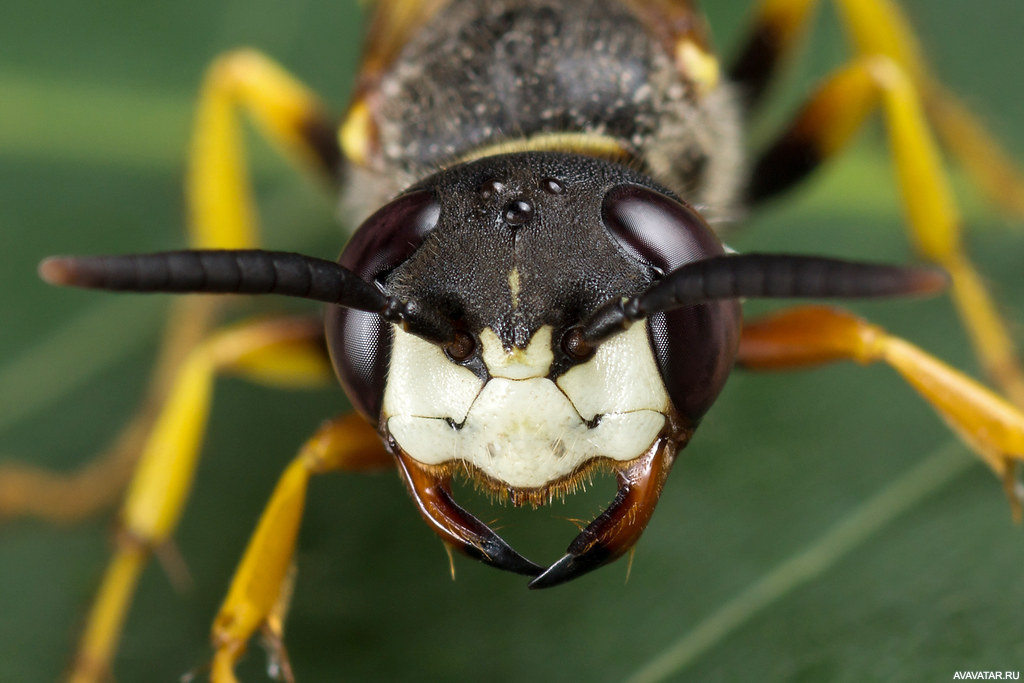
[698, 64]
[356, 133]
[589, 144]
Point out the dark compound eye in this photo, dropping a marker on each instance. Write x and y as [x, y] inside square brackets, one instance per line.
[359, 342]
[694, 347]
[655, 229]
[391, 235]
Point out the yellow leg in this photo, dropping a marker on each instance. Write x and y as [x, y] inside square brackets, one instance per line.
[27, 491]
[986, 162]
[878, 27]
[221, 215]
[824, 127]
[282, 351]
[812, 335]
[217, 186]
[259, 592]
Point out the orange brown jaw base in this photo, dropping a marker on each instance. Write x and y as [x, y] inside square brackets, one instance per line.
[431, 491]
[607, 538]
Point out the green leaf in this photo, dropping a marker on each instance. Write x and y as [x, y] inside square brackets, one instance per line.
[821, 526]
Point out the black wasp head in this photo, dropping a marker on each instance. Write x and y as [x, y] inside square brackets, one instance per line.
[512, 245]
[519, 252]
[507, 246]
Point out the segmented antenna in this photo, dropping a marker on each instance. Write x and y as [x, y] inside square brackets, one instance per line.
[250, 271]
[762, 276]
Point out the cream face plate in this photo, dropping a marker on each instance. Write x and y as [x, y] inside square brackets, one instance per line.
[520, 427]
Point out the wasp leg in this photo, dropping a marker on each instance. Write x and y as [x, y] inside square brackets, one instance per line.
[220, 216]
[824, 127]
[814, 335]
[775, 33]
[285, 352]
[29, 491]
[217, 186]
[58, 497]
[258, 594]
[986, 162]
[878, 27]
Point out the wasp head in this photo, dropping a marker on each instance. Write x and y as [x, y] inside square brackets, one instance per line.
[519, 251]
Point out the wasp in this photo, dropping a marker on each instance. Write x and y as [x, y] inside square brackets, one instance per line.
[539, 292]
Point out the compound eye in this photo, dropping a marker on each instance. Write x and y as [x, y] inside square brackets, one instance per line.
[360, 342]
[694, 347]
[656, 230]
[391, 235]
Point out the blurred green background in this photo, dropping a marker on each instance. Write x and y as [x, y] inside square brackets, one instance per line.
[780, 550]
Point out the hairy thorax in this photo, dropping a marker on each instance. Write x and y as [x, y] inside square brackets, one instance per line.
[541, 74]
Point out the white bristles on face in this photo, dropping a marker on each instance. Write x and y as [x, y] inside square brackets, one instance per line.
[520, 428]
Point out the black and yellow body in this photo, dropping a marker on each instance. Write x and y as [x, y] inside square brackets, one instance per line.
[539, 291]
